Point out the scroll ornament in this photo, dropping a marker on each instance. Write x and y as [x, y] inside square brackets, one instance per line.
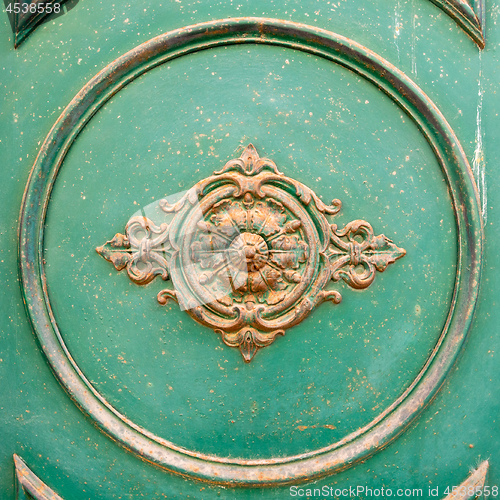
[250, 252]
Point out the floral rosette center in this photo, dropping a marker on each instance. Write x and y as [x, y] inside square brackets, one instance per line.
[252, 248]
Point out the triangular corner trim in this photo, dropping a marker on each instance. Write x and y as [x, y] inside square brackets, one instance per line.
[475, 483]
[29, 486]
[23, 24]
[462, 12]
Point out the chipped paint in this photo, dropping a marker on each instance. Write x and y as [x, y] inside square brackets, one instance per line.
[478, 163]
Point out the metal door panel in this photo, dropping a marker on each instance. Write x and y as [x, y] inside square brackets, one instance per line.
[325, 125]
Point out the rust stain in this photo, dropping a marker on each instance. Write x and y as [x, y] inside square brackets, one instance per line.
[305, 427]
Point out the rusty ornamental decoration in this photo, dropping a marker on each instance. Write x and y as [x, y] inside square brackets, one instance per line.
[250, 252]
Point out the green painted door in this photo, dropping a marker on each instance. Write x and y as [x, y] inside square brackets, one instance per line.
[186, 313]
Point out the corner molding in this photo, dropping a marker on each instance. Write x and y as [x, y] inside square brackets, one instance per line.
[474, 483]
[29, 486]
[23, 24]
[463, 13]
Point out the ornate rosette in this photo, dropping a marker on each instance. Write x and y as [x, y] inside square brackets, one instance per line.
[250, 252]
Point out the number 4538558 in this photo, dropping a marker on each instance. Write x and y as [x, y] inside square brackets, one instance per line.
[470, 491]
[24, 8]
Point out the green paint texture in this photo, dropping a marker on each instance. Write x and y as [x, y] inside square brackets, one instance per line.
[326, 127]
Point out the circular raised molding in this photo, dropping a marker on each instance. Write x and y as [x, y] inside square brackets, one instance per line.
[339, 50]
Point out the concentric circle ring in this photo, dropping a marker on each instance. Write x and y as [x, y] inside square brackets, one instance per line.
[336, 49]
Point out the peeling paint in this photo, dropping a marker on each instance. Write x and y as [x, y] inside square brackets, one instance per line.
[413, 39]
[478, 163]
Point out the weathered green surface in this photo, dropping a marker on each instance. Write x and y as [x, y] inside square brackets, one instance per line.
[214, 399]
[173, 126]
